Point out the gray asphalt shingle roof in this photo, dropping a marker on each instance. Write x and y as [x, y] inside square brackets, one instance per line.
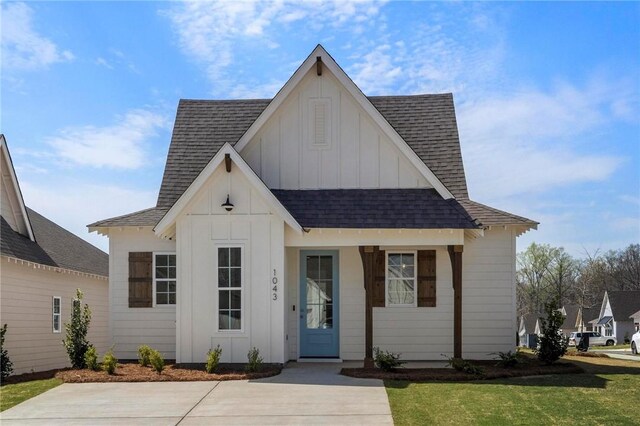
[54, 246]
[624, 303]
[374, 208]
[572, 316]
[146, 217]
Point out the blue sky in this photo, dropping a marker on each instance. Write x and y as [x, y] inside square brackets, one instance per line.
[547, 96]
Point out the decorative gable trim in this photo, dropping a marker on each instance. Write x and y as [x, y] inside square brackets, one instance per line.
[164, 227]
[16, 187]
[320, 53]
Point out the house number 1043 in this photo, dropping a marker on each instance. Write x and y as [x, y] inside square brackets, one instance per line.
[274, 289]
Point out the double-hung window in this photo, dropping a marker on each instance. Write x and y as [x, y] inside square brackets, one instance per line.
[164, 278]
[57, 313]
[401, 279]
[230, 279]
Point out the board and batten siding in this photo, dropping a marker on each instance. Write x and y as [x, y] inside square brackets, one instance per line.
[425, 333]
[26, 299]
[203, 227]
[132, 327]
[356, 153]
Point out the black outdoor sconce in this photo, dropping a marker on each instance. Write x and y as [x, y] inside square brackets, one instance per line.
[227, 204]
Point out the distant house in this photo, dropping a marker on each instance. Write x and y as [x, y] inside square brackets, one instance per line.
[585, 318]
[570, 314]
[529, 329]
[42, 265]
[636, 320]
[615, 314]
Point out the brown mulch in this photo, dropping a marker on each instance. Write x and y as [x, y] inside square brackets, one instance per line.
[490, 371]
[587, 354]
[133, 372]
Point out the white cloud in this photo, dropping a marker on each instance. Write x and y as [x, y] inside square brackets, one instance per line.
[121, 145]
[22, 46]
[74, 205]
[210, 32]
[102, 61]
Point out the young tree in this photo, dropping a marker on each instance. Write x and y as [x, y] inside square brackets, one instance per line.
[551, 344]
[6, 366]
[76, 342]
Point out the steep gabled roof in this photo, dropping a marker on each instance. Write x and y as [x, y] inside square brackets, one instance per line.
[624, 303]
[530, 320]
[571, 316]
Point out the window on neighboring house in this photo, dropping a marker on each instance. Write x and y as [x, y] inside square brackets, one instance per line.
[230, 288]
[164, 278]
[57, 313]
[401, 279]
[608, 331]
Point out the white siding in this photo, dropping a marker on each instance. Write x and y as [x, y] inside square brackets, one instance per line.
[132, 327]
[201, 228]
[358, 154]
[26, 307]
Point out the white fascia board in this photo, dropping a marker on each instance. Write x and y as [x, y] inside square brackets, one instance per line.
[362, 100]
[170, 217]
[16, 187]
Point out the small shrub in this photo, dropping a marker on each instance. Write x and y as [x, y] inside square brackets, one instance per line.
[109, 362]
[75, 341]
[463, 365]
[627, 339]
[144, 353]
[255, 360]
[213, 359]
[386, 361]
[551, 344]
[91, 358]
[157, 361]
[6, 366]
[506, 359]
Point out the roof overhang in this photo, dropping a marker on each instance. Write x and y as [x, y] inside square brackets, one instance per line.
[16, 186]
[604, 321]
[363, 101]
[166, 227]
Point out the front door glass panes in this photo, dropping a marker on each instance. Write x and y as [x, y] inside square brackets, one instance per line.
[319, 292]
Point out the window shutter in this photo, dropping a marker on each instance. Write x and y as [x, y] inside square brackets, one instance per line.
[379, 280]
[427, 278]
[140, 280]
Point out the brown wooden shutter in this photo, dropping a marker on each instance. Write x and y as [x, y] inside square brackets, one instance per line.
[379, 280]
[140, 279]
[427, 278]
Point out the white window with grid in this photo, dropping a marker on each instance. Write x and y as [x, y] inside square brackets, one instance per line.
[401, 279]
[164, 279]
[56, 309]
[230, 283]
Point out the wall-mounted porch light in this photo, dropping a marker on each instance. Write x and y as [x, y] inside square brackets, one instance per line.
[227, 204]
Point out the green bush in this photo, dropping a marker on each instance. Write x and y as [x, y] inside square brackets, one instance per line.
[109, 362]
[460, 364]
[387, 361]
[627, 339]
[506, 359]
[255, 360]
[157, 361]
[75, 341]
[6, 366]
[213, 359]
[144, 353]
[91, 358]
[551, 343]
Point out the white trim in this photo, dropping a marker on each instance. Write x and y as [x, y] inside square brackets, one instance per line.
[35, 265]
[164, 226]
[242, 288]
[59, 314]
[16, 187]
[415, 279]
[153, 272]
[363, 101]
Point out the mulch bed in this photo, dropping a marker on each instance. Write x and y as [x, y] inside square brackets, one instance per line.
[133, 372]
[587, 354]
[27, 377]
[490, 371]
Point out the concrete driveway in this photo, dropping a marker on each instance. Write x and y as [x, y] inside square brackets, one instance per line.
[302, 394]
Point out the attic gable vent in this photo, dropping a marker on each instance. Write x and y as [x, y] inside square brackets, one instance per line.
[320, 122]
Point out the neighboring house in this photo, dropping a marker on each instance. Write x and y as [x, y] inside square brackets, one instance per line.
[317, 224]
[41, 267]
[527, 335]
[636, 320]
[586, 317]
[615, 314]
[570, 314]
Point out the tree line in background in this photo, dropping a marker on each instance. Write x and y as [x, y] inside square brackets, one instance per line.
[550, 274]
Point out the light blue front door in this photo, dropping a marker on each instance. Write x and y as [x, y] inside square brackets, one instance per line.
[319, 308]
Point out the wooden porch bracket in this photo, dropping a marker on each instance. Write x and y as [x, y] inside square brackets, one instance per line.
[227, 162]
[455, 254]
[369, 255]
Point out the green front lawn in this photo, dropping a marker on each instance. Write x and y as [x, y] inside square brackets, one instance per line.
[11, 395]
[606, 348]
[606, 394]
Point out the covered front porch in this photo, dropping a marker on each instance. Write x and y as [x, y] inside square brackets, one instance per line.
[351, 290]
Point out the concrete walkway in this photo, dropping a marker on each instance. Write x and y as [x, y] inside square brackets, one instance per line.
[302, 394]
